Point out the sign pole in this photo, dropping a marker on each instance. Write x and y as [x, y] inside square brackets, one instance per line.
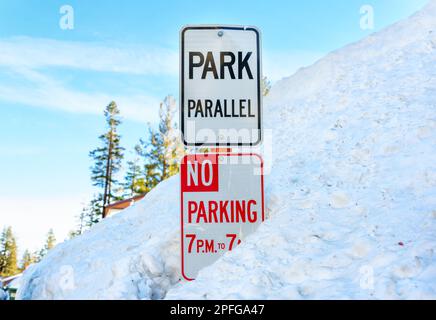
[221, 190]
[220, 150]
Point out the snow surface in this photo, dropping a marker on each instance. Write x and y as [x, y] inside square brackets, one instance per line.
[131, 255]
[351, 199]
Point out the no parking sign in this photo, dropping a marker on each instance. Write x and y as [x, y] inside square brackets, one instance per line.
[222, 202]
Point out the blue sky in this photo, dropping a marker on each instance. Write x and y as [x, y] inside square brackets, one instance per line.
[55, 83]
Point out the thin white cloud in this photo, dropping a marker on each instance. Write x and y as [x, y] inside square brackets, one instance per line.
[92, 56]
[46, 92]
[28, 63]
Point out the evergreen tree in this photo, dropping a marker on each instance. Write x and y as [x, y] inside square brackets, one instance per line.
[27, 260]
[134, 181]
[50, 242]
[163, 149]
[168, 135]
[37, 256]
[107, 160]
[94, 211]
[8, 253]
[81, 224]
[152, 176]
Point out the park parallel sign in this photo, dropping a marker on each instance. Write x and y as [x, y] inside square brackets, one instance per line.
[220, 86]
[222, 202]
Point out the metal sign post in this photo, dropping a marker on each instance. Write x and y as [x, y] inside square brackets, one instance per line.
[221, 197]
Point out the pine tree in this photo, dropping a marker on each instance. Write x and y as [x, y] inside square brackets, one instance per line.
[27, 260]
[134, 181]
[49, 244]
[51, 240]
[81, 224]
[37, 256]
[107, 160]
[170, 147]
[163, 149]
[8, 253]
[152, 176]
[94, 211]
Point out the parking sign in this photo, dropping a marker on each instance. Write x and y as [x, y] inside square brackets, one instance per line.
[222, 202]
[220, 86]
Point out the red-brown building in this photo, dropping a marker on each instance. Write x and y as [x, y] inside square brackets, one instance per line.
[120, 205]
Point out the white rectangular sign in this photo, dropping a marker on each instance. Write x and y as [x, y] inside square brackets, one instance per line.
[222, 202]
[220, 86]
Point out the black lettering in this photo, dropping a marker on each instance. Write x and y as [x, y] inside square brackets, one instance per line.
[251, 115]
[228, 64]
[223, 108]
[208, 108]
[193, 65]
[226, 114]
[218, 109]
[243, 64]
[191, 106]
[209, 66]
[242, 107]
[199, 109]
[235, 115]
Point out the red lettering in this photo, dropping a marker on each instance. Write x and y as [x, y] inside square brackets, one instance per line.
[201, 213]
[252, 215]
[213, 207]
[192, 208]
[223, 211]
[199, 173]
[240, 211]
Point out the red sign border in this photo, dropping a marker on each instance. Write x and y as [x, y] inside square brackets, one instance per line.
[181, 200]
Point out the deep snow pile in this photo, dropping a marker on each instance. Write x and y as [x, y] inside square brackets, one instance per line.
[352, 193]
[133, 255]
[351, 198]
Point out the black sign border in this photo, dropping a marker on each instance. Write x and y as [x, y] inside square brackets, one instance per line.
[182, 86]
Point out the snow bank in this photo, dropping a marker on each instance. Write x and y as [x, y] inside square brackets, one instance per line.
[352, 193]
[131, 255]
[351, 198]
